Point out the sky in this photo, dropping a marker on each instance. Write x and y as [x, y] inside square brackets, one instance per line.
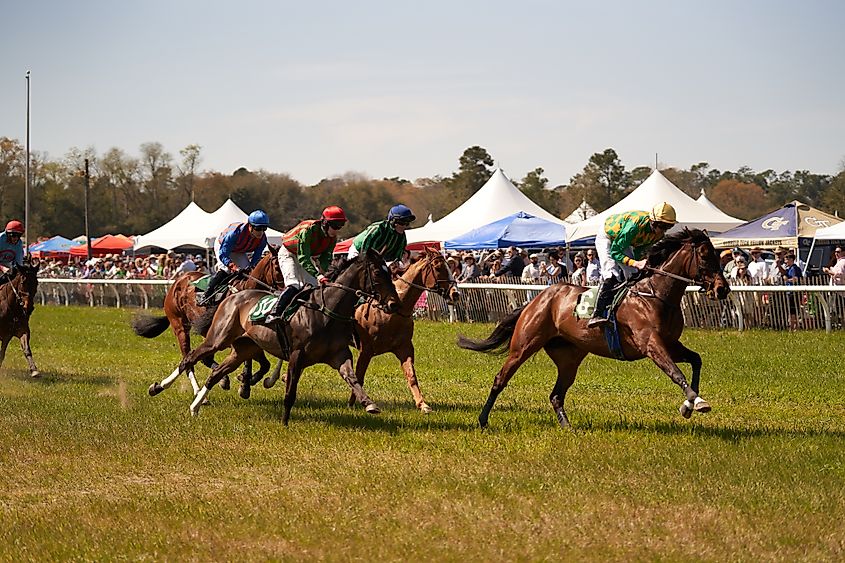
[395, 88]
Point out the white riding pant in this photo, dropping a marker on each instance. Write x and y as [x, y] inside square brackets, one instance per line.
[610, 268]
[292, 270]
[240, 259]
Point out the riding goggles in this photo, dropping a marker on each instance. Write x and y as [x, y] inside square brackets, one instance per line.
[336, 225]
[260, 227]
[403, 222]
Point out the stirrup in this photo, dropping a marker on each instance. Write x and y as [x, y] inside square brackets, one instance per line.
[597, 321]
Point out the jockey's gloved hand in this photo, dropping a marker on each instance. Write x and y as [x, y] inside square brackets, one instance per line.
[323, 280]
[640, 264]
[232, 267]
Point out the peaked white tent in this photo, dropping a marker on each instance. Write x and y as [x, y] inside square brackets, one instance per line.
[714, 211]
[581, 213]
[194, 226]
[497, 199]
[654, 190]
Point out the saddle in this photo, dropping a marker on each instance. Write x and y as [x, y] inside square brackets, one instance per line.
[267, 303]
[585, 306]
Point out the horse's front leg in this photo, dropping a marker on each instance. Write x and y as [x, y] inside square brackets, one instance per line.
[406, 356]
[3, 347]
[682, 354]
[661, 355]
[27, 352]
[347, 372]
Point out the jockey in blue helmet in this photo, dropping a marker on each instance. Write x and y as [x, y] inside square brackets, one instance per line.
[239, 248]
[387, 237]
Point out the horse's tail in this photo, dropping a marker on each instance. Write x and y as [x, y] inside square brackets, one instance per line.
[149, 326]
[499, 340]
[202, 323]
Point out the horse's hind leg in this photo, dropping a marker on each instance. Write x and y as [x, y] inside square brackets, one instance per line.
[3, 346]
[27, 352]
[522, 347]
[361, 366]
[567, 358]
[247, 379]
[682, 354]
[242, 351]
[274, 377]
[209, 362]
[406, 356]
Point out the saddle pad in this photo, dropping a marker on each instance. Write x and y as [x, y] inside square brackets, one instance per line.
[264, 306]
[202, 283]
[587, 301]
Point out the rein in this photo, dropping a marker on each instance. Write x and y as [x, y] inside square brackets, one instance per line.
[670, 275]
[436, 289]
[370, 296]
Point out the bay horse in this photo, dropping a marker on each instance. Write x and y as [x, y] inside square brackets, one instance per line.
[181, 313]
[17, 301]
[380, 331]
[320, 330]
[649, 322]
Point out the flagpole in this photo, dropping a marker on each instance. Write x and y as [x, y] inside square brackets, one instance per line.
[26, 190]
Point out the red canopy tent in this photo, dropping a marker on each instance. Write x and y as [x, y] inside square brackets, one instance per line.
[343, 246]
[107, 244]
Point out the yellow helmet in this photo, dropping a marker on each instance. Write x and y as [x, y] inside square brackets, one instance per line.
[664, 213]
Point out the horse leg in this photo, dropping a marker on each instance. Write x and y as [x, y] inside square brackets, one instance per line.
[522, 347]
[405, 355]
[202, 352]
[263, 368]
[27, 352]
[291, 383]
[347, 372]
[361, 366]
[248, 347]
[3, 347]
[567, 358]
[682, 354]
[241, 352]
[209, 362]
[659, 353]
[274, 377]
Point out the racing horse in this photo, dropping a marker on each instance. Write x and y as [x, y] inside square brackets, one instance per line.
[17, 301]
[380, 332]
[319, 331]
[649, 322]
[181, 313]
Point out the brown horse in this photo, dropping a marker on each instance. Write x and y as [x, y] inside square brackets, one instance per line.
[181, 313]
[649, 321]
[380, 332]
[319, 331]
[17, 301]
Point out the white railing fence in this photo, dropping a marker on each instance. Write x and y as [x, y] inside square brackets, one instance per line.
[813, 304]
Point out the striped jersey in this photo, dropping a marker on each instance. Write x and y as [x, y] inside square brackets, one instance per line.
[307, 240]
[382, 237]
[631, 229]
[236, 238]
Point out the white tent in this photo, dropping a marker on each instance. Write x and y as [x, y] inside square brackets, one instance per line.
[497, 199]
[714, 211]
[581, 213]
[195, 227]
[834, 232]
[654, 190]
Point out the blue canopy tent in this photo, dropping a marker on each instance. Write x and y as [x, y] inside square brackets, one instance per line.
[56, 245]
[520, 229]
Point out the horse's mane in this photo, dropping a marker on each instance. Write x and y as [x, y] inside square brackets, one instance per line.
[668, 245]
[339, 265]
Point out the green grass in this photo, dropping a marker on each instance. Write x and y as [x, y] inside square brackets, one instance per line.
[93, 468]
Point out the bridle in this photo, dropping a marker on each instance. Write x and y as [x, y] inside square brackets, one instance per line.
[705, 285]
[369, 294]
[436, 288]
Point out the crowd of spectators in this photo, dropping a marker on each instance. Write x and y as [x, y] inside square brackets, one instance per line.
[115, 266]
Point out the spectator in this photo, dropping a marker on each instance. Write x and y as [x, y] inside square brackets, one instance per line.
[730, 266]
[775, 272]
[187, 265]
[531, 272]
[740, 272]
[758, 269]
[555, 270]
[512, 265]
[487, 263]
[593, 268]
[791, 275]
[579, 276]
[470, 270]
[837, 270]
[454, 266]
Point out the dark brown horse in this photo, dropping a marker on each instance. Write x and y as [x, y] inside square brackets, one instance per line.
[181, 313]
[380, 332]
[17, 301]
[649, 321]
[320, 331]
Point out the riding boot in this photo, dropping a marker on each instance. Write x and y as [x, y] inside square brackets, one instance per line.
[213, 284]
[285, 298]
[603, 301]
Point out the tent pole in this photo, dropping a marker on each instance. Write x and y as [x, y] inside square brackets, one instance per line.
[809, 254]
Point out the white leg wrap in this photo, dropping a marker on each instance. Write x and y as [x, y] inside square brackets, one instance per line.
[688, 404]
[195, 406]
[168, 381]
[193, 382]
[697, 400]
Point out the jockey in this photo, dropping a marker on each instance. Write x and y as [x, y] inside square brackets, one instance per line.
[11, 248]
[305, 255]
[234, 245]
[387, 237]
[621, 246]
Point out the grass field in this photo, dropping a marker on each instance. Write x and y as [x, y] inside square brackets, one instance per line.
[92, 468]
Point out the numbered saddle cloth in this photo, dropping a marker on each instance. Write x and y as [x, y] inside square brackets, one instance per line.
[263, 307]
[586, 303]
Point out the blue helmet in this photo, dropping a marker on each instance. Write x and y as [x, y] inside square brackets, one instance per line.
[401, 213]
[259, 219]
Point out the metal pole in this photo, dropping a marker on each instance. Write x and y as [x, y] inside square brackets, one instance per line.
[26, 189]
[87, 235]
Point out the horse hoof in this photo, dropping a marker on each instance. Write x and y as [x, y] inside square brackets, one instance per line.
[35, 373]
[701, 405]
[425, 409]
[243, 391]
[224, 383]
[194, 410]
[268, 383]
[154, 389]
[685, 411]
[372, 408]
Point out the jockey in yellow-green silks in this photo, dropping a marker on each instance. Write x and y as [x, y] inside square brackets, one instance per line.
[621, 247]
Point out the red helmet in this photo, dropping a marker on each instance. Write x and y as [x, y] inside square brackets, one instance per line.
[334, 213]
[14, 226]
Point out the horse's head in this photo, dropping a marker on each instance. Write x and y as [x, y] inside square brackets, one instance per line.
[24, 281]
[434, 274]
[690, 253]
[267, 271]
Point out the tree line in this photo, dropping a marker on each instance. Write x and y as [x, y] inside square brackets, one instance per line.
[135, 194]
